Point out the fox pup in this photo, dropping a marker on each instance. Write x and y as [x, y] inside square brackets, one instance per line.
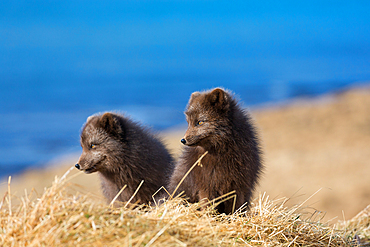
[124, 153]
[217, 124]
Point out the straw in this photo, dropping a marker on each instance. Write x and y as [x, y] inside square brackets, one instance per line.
[57, 218]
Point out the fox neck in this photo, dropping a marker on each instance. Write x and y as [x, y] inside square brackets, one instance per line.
[215, 149]
[219, 146]
[117, 176]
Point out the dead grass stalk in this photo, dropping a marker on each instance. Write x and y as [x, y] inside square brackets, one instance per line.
[58, 218]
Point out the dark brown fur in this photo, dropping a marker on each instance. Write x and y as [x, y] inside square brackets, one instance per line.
[124, 153]
[233, 161]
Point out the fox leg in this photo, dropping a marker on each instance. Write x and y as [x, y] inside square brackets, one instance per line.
[203, 199]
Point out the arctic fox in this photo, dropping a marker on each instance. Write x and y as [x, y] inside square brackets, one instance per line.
[124, 153]
[217, 124]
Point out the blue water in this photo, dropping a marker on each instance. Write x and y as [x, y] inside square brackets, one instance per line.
[61, 61]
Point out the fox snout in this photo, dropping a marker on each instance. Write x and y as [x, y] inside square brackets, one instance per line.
[87, 164]
[195, 137]
[186, 141]
[190, 140]
[191, 137]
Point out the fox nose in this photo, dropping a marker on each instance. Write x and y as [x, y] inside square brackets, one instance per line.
[77, 166]
[183, 141]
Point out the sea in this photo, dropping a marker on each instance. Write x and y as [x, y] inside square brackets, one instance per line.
[62, 61]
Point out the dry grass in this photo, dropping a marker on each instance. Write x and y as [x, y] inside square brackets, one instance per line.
[358, 228]
[59, 218]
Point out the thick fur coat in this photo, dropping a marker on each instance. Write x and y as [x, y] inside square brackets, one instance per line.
[217, 124]
[124, 153]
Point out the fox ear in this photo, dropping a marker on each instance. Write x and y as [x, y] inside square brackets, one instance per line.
[193, 96]
[109, 123]
[218, 98]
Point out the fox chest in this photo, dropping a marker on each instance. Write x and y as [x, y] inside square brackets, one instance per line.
[213, 179]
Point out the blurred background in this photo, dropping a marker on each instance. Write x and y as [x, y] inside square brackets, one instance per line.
[61, 61]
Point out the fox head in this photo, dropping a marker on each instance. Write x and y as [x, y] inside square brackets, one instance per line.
[207, 117]
[99, 137]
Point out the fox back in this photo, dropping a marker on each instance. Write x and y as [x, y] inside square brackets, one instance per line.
[217, 124]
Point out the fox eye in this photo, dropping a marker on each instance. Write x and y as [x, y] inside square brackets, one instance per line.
[200, 122]
[92, 146]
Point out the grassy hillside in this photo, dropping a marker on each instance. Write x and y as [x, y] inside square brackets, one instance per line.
[61, 218]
